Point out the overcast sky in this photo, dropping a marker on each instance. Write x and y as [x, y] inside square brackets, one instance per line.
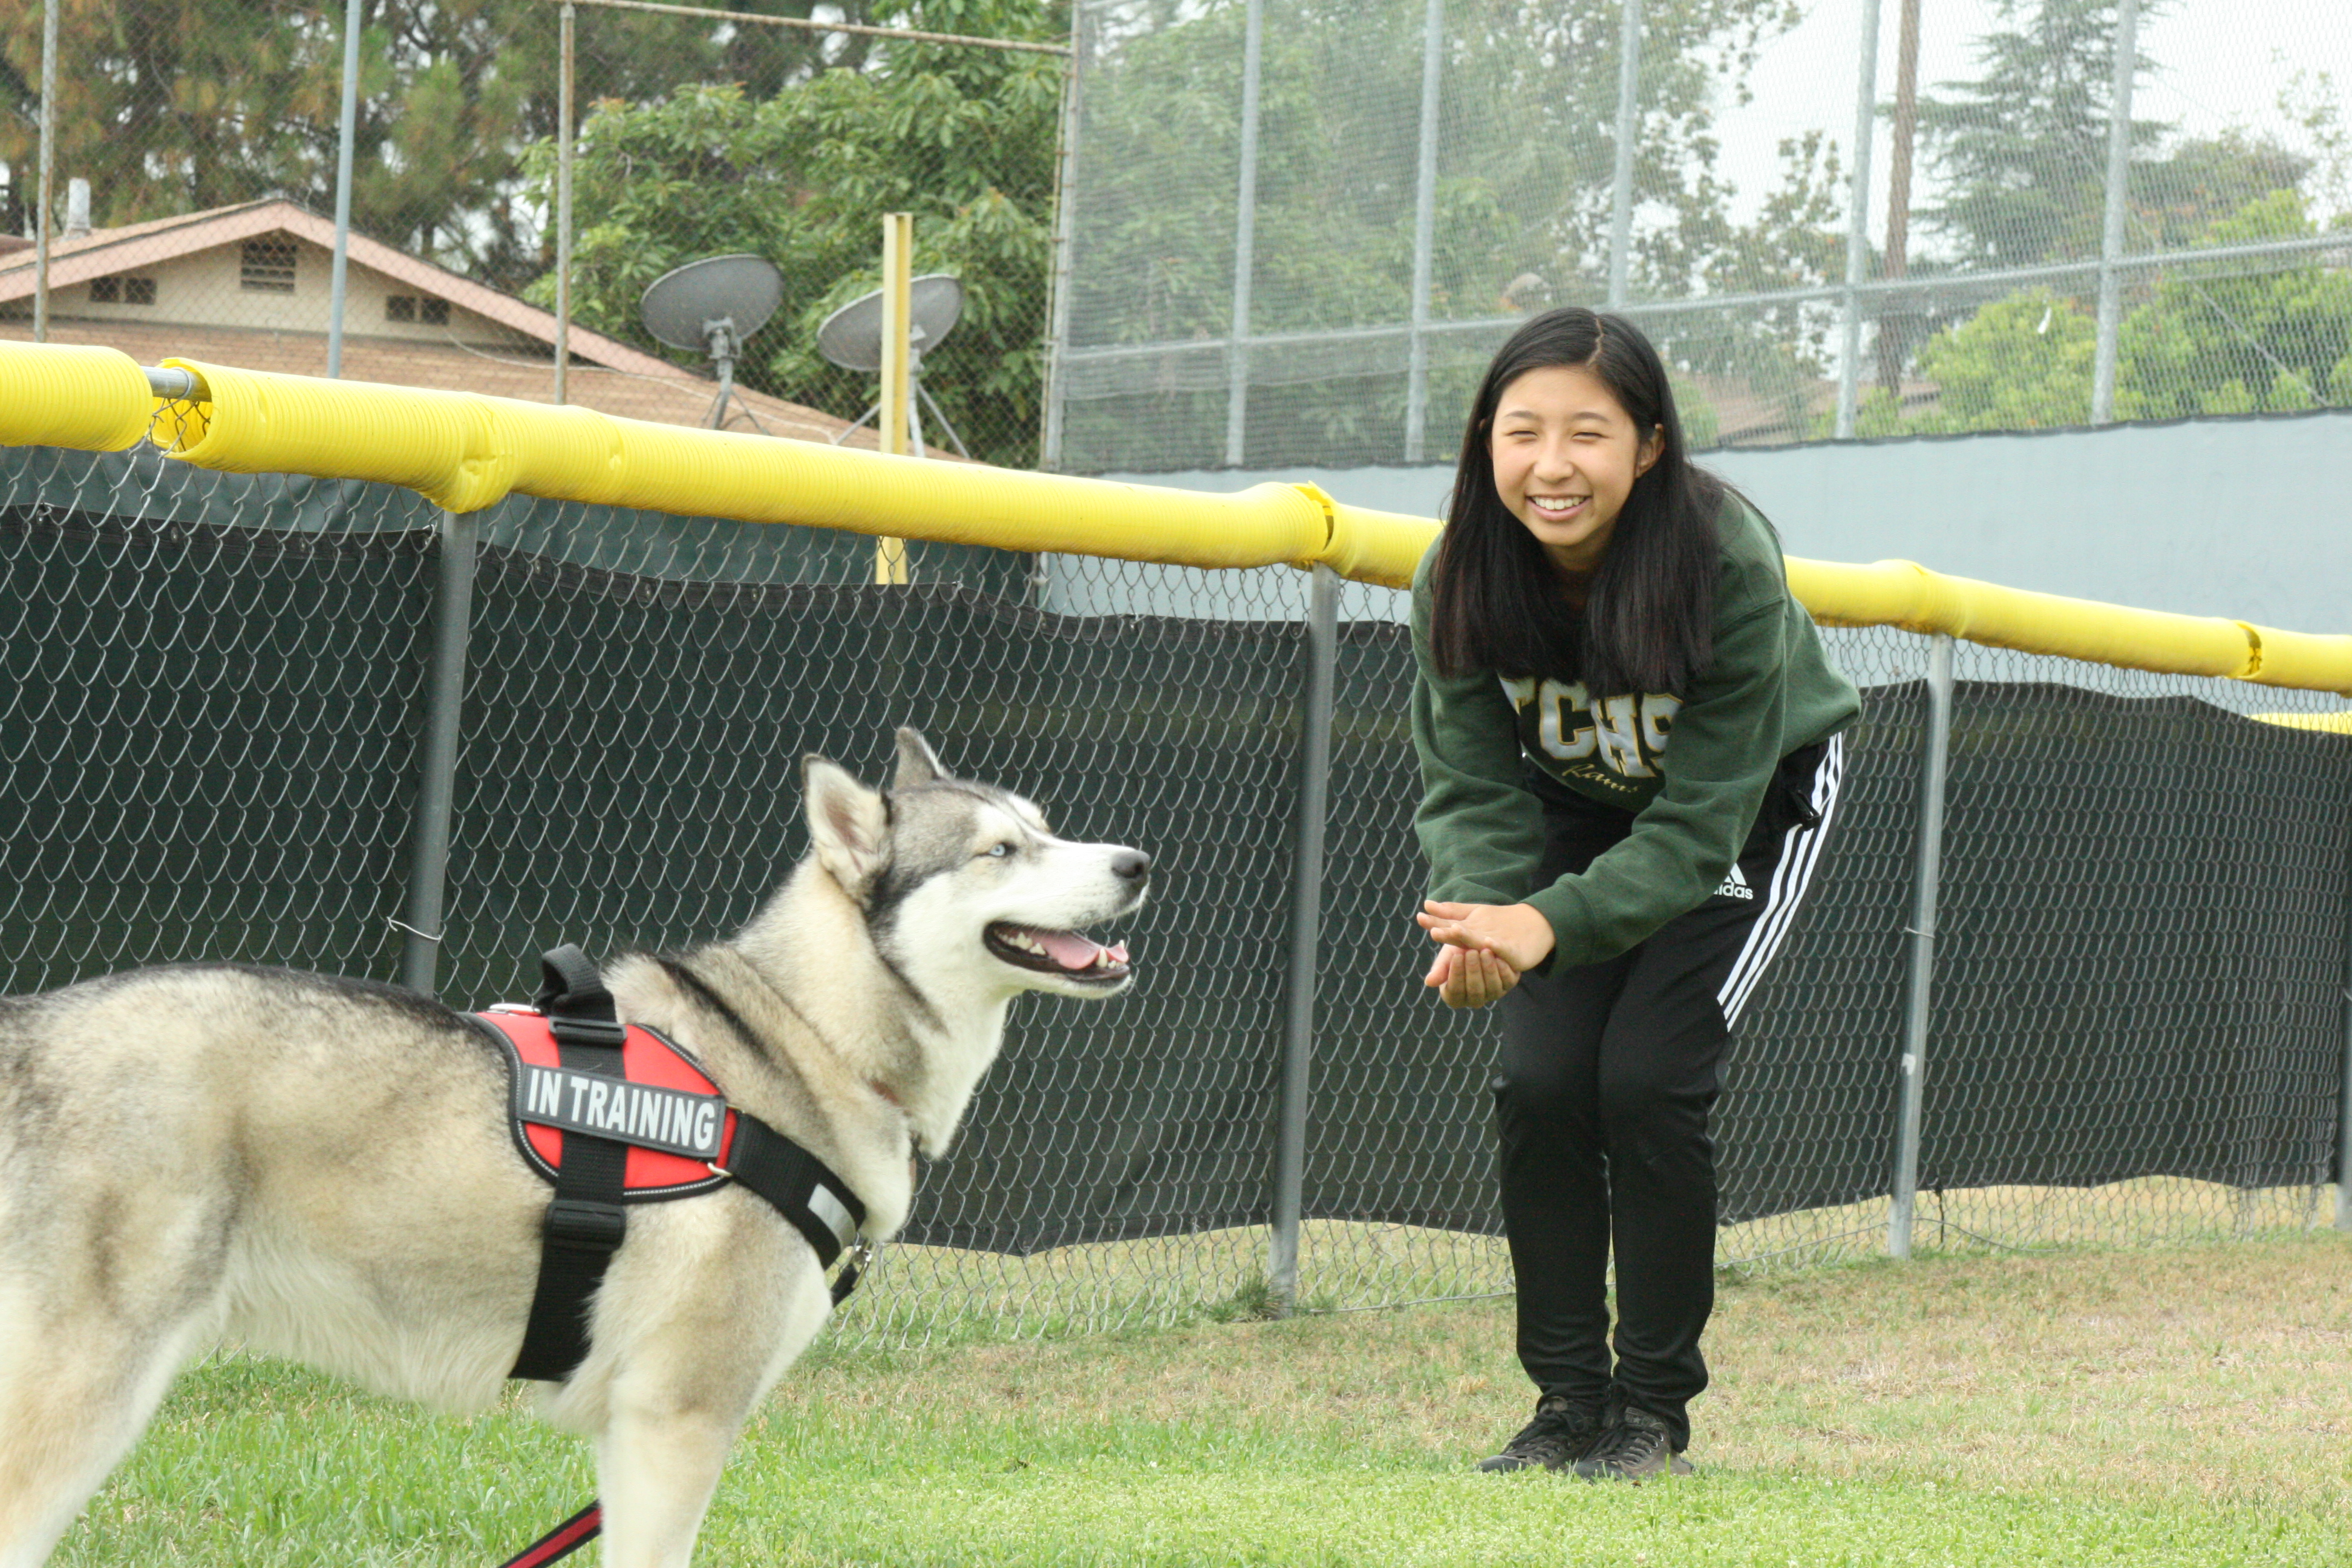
[2223, 63]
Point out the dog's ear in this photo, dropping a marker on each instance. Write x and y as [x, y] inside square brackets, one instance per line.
[917, 764]
[849, 825]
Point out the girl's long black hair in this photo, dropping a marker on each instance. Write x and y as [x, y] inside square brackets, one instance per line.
[1495, 601]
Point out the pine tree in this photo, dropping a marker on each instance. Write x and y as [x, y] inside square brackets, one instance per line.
[2023, 148]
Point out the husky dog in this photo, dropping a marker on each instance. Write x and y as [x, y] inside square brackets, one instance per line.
[323, 1169]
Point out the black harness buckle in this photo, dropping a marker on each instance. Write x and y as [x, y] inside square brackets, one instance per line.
[570, 1029]
[584, 1223]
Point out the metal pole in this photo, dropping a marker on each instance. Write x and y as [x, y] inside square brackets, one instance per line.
[1245, 237]
[2344, 1113]
[565, 27]
[45, 219]
[1306, 921]
[1898, 189]
[344, 136]
[1424, 235]
[1621, 190]
[892, 425]
[429, 855]
[2111, 245]
[1057, 279]
[1857, 231]
[1919, 982]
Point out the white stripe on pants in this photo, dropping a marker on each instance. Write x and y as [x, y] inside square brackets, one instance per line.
[1800, 851]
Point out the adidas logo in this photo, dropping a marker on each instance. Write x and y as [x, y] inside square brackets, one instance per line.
[1735, 886]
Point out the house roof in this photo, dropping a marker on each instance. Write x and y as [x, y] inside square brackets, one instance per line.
[106, 251]
[675, 398]
[616, 379]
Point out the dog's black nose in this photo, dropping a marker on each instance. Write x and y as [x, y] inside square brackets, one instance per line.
[1130, 865]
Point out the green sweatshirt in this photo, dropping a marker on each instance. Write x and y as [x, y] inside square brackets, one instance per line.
[1768, 690]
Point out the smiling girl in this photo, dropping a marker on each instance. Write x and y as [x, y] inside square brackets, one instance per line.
[1628, 736]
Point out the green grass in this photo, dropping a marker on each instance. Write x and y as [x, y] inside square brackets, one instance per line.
[2190, 1406]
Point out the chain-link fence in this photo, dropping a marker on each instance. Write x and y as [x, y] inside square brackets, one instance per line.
[191, 152]
[1299, 230]
[1290, 232]
[216, 733]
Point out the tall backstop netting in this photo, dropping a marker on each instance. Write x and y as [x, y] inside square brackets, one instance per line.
[214, 705]
[1219, 233]
[1298, 230]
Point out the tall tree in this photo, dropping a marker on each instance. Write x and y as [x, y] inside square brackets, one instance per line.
[167, 107]
[2240, 339]
[2022, 150]
[1527, 95]
[961, 137]
[174, 106]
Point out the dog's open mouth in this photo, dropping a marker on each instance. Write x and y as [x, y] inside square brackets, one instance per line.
[1063, 952]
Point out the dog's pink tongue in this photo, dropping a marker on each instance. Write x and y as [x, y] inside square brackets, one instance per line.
[1068, 949]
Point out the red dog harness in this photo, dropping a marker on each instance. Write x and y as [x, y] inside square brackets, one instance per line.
[613, 1115]
[674, 1121]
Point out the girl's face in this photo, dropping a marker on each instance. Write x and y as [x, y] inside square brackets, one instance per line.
[1566, 454]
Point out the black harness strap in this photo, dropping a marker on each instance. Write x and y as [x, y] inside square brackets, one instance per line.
[802, 1189]
[586, 1223]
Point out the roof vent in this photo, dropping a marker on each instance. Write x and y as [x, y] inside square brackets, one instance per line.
[76, 208]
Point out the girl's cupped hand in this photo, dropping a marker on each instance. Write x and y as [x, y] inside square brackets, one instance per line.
[1484, 949]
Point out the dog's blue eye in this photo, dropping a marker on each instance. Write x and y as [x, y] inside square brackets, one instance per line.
[1000, 850]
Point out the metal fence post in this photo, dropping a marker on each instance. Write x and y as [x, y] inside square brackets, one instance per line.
[566, 27]
[1919, 982]
[1057, 277]
[1857, 232]
[2343, 1111]
[1245, 237]
[2111, 243]
[1424, 235]
[437, 785]
[1305, 922]
[1621, 191]
[345, 134]
[44, 219]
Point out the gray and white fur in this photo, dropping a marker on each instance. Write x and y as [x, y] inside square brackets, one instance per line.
[322, 1168]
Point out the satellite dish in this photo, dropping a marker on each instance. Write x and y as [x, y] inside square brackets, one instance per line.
[852, 338]
[713, 305]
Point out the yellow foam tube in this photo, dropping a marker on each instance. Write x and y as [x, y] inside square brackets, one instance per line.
[90, 399]
[1902, 593]
[2305, 661]
[2326, 723]
[1368, 546]
[465, 452]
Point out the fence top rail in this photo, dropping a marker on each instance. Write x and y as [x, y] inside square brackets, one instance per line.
[464, 451]
[1907, 291]
[811, 24]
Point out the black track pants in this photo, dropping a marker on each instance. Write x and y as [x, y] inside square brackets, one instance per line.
[1608, 1073]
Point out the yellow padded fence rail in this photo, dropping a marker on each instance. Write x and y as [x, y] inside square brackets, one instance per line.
[467, 452]
[88, 399]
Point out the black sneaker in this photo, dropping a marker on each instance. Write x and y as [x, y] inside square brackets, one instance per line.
[1563, 1433]
[1636, 1446]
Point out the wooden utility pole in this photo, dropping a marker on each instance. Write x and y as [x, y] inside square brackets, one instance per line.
[897, 286]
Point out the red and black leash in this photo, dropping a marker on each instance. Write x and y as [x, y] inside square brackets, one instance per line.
[589, 1523]
[563, 1540]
